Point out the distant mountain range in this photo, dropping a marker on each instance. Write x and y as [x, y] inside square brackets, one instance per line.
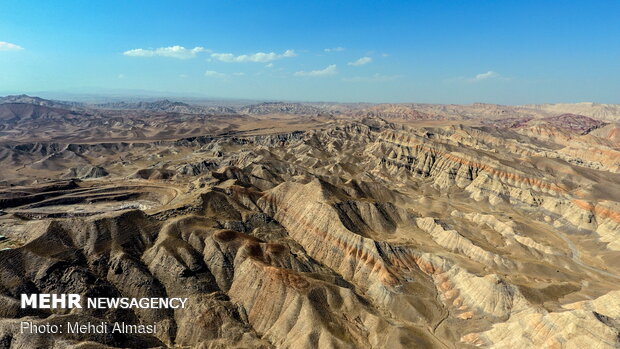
[40, 101]
[167, 106]
[396, 111]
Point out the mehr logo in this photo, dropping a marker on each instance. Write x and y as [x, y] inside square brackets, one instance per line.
[51, 301]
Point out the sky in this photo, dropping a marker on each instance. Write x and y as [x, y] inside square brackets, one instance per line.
[505, 52]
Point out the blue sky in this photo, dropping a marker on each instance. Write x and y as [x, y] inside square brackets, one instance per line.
[508, 52]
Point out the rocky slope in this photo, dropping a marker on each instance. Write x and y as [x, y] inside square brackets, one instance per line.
[166, 106]
[268, 108]
[610, 112]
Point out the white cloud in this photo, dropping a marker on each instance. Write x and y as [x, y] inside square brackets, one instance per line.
[484, 76]
[487, 76]
[270, 65]
[7, 46]
[214, 74]
[183, 76]
[361, 61]
[176, 51]
[330, 70]
[259, 57]
[374, 78]
[334, 49]
[121, 76]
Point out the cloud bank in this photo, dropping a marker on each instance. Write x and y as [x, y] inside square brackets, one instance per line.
[330, 70]
[361, 61]
[484, 76]
[334, 49]
[214, 74]
[7, 46]
[259, 57]
[175, 51]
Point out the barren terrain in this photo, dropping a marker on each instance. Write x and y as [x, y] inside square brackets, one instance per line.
[303, 225]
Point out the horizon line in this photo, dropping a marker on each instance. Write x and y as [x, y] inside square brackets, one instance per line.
[162, 95]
